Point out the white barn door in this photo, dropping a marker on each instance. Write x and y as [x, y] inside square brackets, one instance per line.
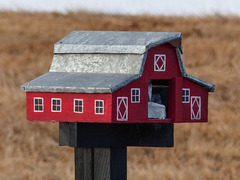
[195, 107]
[122, 108]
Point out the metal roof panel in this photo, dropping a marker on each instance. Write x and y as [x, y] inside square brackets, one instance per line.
[97, 63]
[78, 82]
[114, 41]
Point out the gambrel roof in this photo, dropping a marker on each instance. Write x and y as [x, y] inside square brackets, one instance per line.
[103, 61]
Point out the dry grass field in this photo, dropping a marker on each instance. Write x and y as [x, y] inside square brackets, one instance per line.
[211, 51]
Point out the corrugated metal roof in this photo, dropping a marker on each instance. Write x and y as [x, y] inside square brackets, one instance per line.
[115, 41]
[98, 63]
[78, 82]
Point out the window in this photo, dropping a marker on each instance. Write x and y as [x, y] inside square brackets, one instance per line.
[78, 105]
[56, 105]
[38, 104]
[185, 95]
[99, 107]
[160, 62]
[135, 95]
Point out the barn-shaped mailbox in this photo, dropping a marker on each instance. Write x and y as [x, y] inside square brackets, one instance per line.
[118, 77]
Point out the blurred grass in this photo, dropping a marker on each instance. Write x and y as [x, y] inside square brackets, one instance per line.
[202, 151]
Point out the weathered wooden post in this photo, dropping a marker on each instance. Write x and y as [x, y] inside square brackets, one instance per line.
[109, 90]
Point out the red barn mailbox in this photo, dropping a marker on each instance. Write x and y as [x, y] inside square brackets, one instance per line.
[110, 90]
[118, 77]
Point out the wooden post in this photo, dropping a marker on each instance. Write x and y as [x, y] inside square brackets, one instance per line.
[101, 163]
[83, 163]
[101, 149]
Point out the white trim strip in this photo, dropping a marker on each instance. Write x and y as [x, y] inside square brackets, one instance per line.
[196, 115]
[74, 106]
[34, 105]
[57, 105]
[122, 101]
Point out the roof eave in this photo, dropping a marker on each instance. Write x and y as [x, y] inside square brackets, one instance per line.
[40, 85]
[175, 41]
[208, 86]
[53, 89]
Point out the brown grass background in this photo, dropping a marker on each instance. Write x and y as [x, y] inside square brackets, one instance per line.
[211, 150]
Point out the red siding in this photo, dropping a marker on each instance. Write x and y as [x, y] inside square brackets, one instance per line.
[181, 112]
[172, 67]
[176, 111]
[67, 113]
[195, 91]
[137, 112]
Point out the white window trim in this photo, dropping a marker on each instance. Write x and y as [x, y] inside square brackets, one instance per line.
[136, 89]
[74, 106]
[35, 104]
[52, 104]
[95, 107]
[186, 89]
[120, 116]
[160, 57]
[193, 101]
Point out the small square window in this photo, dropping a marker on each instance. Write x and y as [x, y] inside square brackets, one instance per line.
[135, 95]
[99, 107]
[185, 95]
[78, 105]
[56, 105]
[38, 104]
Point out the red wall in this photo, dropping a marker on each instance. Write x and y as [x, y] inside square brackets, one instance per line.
[172, 67]
[195, 90]
[181, 112]
[67, 113]
[137, 112]
[178, 112]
